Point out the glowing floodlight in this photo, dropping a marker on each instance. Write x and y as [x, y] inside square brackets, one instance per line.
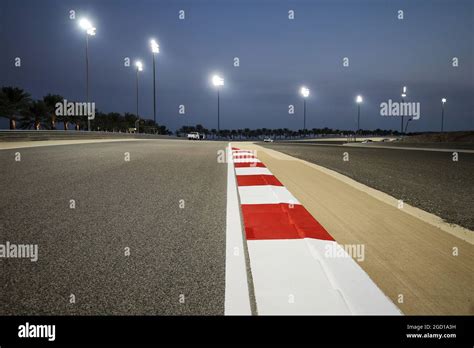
[444, 100]
[359, 99]
[139, 65]
[85, 24]
[217, 80]
[304, 92]
[155, 48]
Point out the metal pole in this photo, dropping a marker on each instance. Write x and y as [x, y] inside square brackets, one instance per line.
[442, 117]
[406, 126]
[358, 117]
[304, 117]
[401, 106]
[358, 121]
[218, 112]
[154, 90]
[87, 78]
[138, 117]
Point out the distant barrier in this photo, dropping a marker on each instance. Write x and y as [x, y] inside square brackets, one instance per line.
[32, 135]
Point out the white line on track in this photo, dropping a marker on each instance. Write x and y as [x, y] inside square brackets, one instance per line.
[409, 148]
[237, 300]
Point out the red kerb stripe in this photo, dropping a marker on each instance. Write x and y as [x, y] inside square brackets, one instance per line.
[249, 164]
[257, 180]
[279, 221]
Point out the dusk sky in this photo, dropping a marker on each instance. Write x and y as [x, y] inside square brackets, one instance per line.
[277, 56]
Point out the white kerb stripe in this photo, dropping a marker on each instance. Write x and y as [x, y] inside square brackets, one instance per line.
[266, 194]
[252, 171]
[245, 153]
[237, 300]
[287, 280]
[361, 294]
[294, 277]
[246, 160]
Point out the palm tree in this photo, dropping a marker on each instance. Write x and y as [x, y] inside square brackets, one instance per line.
[51, 100]
[213, 133]
[37, 114]
[279, 132]
[247, 133]
[14, 102]
[113, 119]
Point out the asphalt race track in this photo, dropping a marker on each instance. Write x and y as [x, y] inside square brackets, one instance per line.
[145, 227]
[174, 250]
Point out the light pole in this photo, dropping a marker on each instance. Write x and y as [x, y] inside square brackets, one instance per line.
[90, 31]
[406, 126]
[139, 66]
[359, 100]
[218, 81]
[155, 48]
[443, 101]
[404, 94]
[305, 93]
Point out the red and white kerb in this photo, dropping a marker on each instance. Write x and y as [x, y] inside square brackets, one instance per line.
[297, 266]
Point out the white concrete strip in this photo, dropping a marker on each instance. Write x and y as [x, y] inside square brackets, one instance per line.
[246, 160]
[266, 194]
[294, 277]
[289, 281]
[25, 144]
[360, 293]
[408, 148]
[237, 300]
[243, 153]
[375, 146]
[252, 171]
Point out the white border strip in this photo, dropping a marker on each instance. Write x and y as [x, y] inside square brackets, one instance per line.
[237, 300]
[252, 171]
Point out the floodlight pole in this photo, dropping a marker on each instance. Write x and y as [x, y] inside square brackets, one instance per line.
[358, 117]
[406, 126]
[218, 111]
[442, 117]
[154, 90]
[304, 116]
[402, 108]
[138, 117]
[87, 77]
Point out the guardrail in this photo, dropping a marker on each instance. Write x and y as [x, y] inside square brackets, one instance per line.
[32, 135]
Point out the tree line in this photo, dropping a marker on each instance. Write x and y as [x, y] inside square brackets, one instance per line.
[279, 133]
[25, 113]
